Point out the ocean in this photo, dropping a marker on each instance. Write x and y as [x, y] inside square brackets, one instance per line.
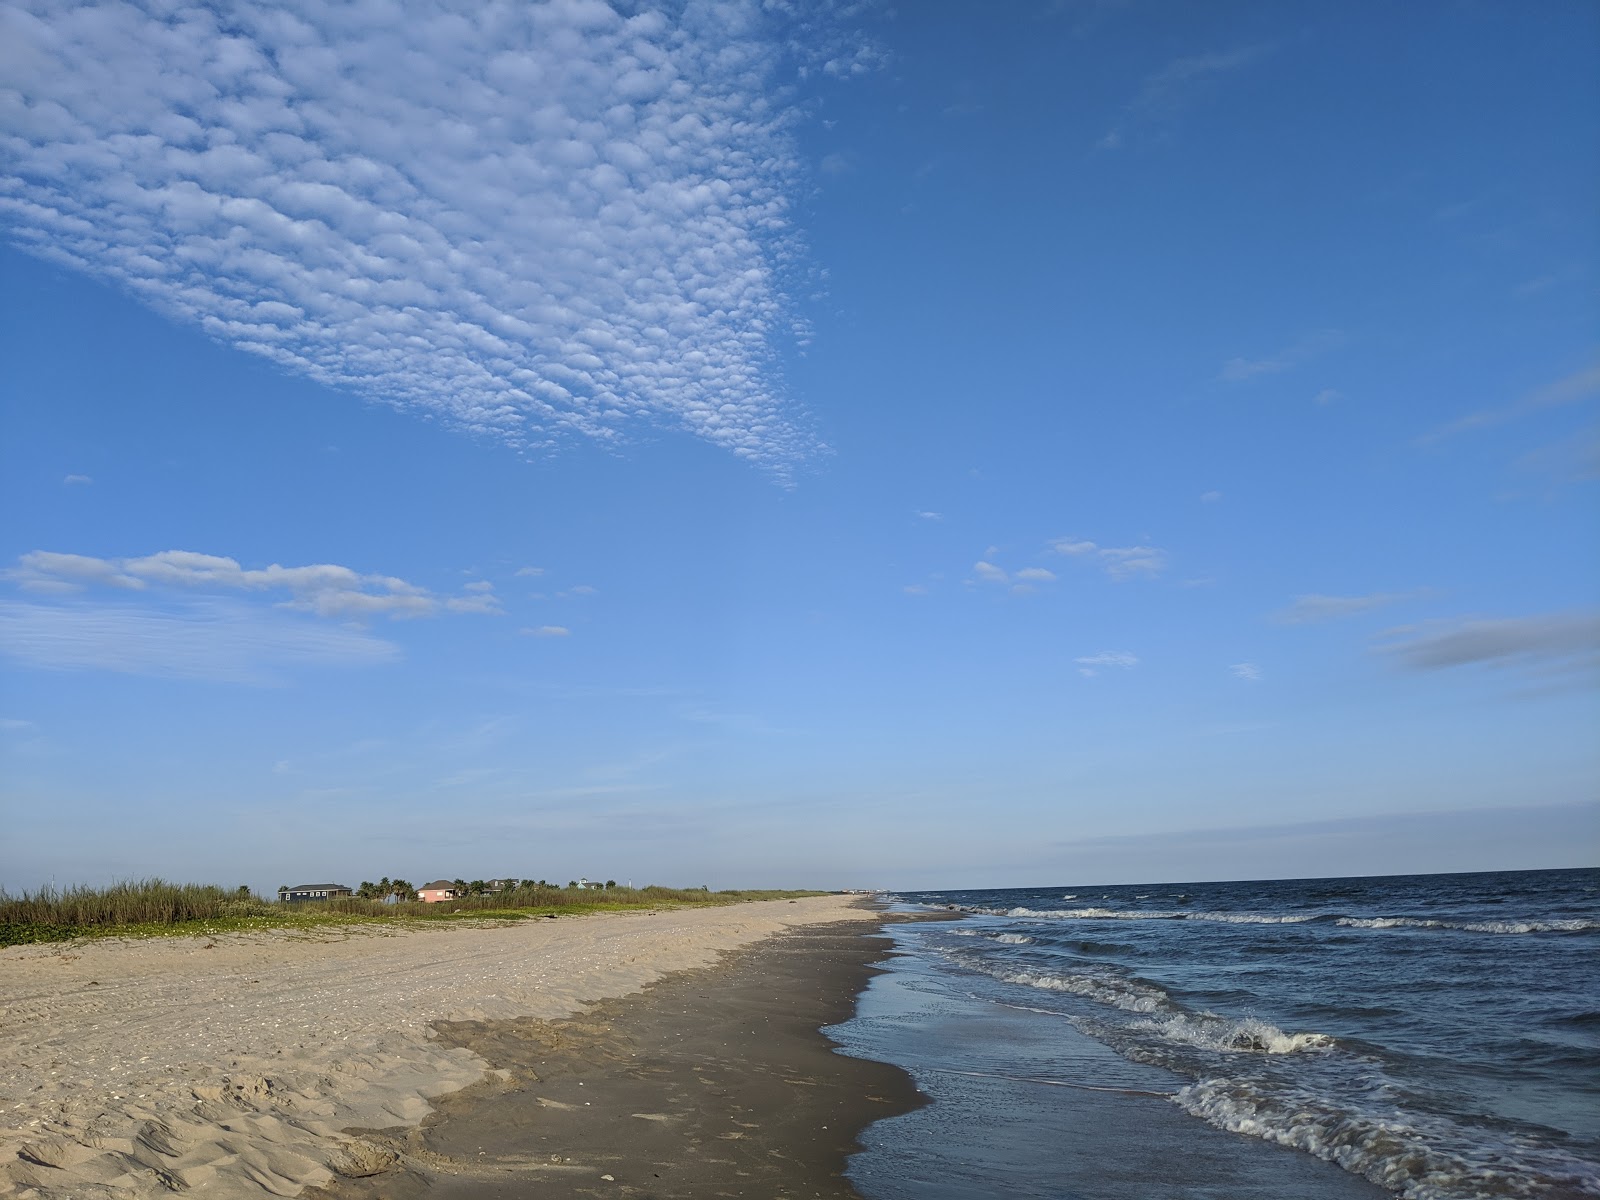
[1434, 1037]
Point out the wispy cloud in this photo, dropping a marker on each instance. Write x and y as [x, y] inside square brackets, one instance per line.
[530, 221]
[1312, 608]
[547, 631]
[1122, 563]
[1090, 665]
[1570, 389]
[324, 588]
[1238, 370]
[931, 516]
[1247, 671]
[218, 641]
[77, 481]
[1561, 640]
[1167, 92]
[1022, 583]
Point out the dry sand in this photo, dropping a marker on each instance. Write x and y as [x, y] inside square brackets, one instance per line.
[231, 1065]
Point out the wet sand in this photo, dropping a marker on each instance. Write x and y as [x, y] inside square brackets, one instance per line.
[710, 1083]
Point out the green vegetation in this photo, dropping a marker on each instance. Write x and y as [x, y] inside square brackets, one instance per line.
[154, 907]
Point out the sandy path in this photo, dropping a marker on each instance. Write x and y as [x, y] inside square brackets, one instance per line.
[229, 1066]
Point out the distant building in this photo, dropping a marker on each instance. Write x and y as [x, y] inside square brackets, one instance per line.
[439, 889]
[312, 891]
[503, 885]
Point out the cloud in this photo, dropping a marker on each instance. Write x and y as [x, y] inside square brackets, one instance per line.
[211, 640]
[1210, 497]
[1122, 563]
[77, 481]
[1571, 460]
[915, 589]
[1559, 640]
[1035, 575]
[931, 516]
[1246, 671]
[1238, 370]
[528, 572]
[324, 588]
[547, 631]
[986, 570]
[1089, 665]
[1570, 389]
[1169, 91]
[1312, 608]
[1326, 396]
[530, 222]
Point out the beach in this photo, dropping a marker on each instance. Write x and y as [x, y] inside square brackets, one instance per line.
[233, 1066]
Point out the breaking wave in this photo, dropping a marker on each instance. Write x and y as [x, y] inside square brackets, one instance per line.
[1419, 1157]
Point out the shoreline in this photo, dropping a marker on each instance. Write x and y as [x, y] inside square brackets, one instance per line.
[713, 1081]
[233, 1066]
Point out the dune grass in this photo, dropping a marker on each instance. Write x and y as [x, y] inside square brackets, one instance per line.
[156, 907]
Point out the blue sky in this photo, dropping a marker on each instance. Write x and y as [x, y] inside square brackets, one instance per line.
[754, 444]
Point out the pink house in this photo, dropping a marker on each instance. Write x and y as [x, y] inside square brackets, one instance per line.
[439, 889]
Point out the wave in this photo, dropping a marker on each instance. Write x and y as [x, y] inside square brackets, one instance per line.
[1574, 925]
[1130, 995]
[1559, 926]
[1205, 1030]
[1211, 1032]
[1007, 939]
[1123, 914]
[1419, 1157]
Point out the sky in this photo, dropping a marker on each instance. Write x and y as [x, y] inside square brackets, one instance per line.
[795, 444]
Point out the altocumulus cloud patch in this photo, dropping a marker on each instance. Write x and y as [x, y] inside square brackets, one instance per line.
[529, 220]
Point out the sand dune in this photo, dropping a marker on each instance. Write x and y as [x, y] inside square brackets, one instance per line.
[230, 1066]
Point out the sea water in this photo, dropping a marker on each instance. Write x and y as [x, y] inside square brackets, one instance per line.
[1435, 1037]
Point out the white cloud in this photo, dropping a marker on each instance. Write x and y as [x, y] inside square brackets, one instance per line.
[1122, 563]
[528, 220]
[1090, 664]
[931, 516]
[1326, 396]
[1570, 389]
[528, 572]
[1309, 609]
[987, 571]
[1246, 671]
[1035, 575]
[1210, 497]
[582, 589]
[1168, 91]
[1562, 640]
[915, 589]
[547, 631]
[77, 481]
[46, 571]
[202, 640]
[324, 588]
[1237, 370]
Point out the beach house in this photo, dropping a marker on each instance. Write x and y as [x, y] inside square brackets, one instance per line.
[439, 889]
[311, 891]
